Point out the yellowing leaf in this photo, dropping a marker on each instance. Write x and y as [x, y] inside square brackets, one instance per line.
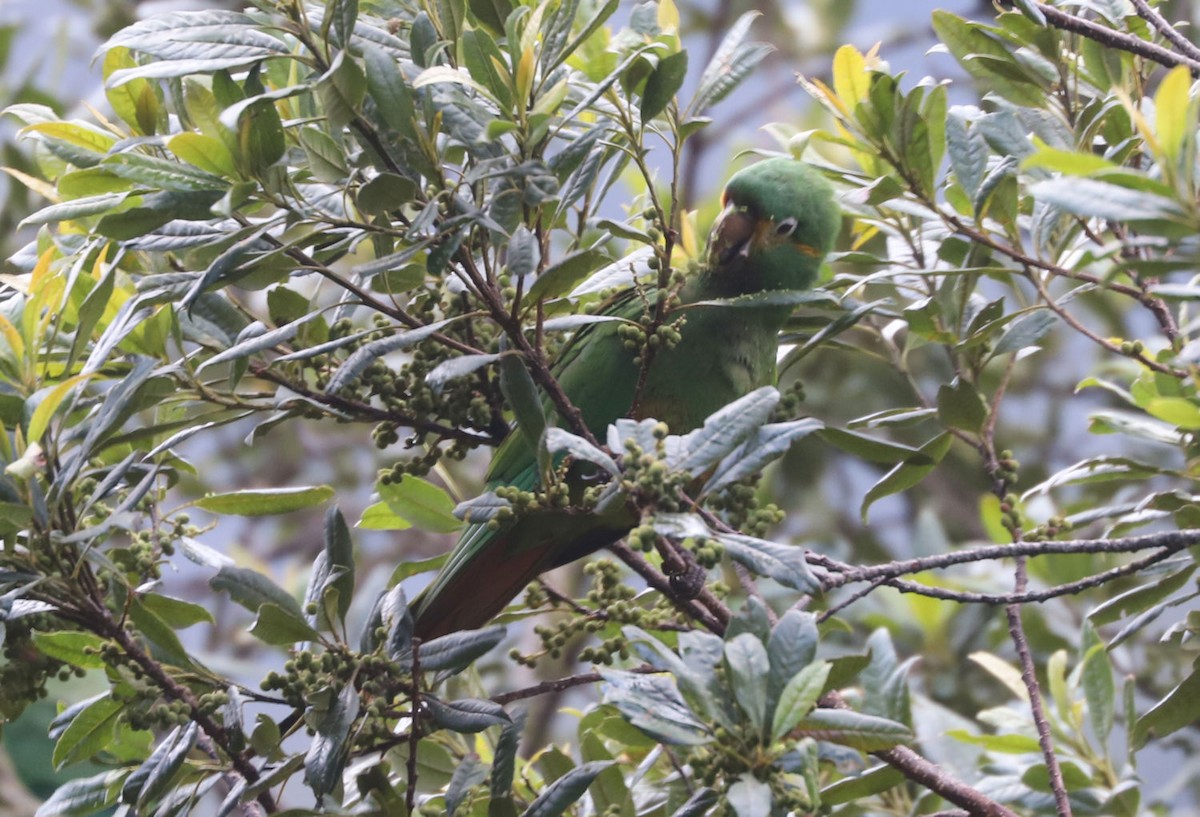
[15, 342]
[525, 69]
[668, 16]
[850, 78]
[50, 403]
[86, 137]
[1173, 111]
[205, 152]
[1178, 411]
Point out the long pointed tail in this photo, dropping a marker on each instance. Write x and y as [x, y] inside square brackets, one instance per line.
[472, 595]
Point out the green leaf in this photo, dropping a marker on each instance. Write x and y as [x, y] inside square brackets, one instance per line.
[524, 254]
[364, 356]
[1025, 331]
[466, 716]
[71, 210]
[663, 84]
[378, 516]
[786, 564]
[82, 796]
[266, 501]
[151, 779]
[456, 651]
[279, 626]
[89, 730]
[564, 792]
[1099, 690]
[1093, 198]
[74, 647]
[159, 633]
[1174, 114]
[872, 449]
[558, 441]
[724, 430]
[1011, 743]
[799, 697]
[468, 774]
[456, 367]
[49, 404]
[867, 733]
[522, 396]
[325, 158]
[749, 797]
[1140, 598]
[959, 405]
[653, 704]
[252, 590]
[767, 444]
[747, 663]
[422, 503]
[860, 786]
[330, 748]
[333, 572]
[906, 475]
[732, 62]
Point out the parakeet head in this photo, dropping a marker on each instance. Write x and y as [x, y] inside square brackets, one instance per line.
[779, 221]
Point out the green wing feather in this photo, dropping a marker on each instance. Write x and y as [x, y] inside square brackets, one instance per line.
[488, 568]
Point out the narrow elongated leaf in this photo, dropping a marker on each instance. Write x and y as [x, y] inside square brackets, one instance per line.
[559, 440]
[566, 790]
[85, 795]
[1093, 198]
[366, 355]
[517, 386]
[88, 731]
[653, 704]
[280, 626]
[724, 431]
[327, 753]
[867, 733]
[468, 774]
[468, 715]
[150, 779]
[798, 698]
[767, 444]
[1180, 708]
[266, 502]
[457, 651]
[748, 666]
[785, 564]
[906, 474]
[456, 367]
[332, 570]
[730, 64]
[252, 590]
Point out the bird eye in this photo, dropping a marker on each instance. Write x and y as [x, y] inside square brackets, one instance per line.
[786, 227]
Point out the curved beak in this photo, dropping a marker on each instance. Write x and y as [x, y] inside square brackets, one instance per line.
[731, 235]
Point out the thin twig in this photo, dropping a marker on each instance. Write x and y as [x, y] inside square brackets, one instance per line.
[1116, 39]
[561, 685]
[1169, 32]
[933, 777]
[842, 573]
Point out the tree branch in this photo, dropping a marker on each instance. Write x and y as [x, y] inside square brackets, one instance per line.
[919, 770]
[842, 573]
[1169, 32]
[1116, 39]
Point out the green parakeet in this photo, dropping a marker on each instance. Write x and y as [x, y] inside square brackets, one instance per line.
[778, 222]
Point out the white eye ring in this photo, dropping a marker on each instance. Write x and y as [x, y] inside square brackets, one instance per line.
[787, 226]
